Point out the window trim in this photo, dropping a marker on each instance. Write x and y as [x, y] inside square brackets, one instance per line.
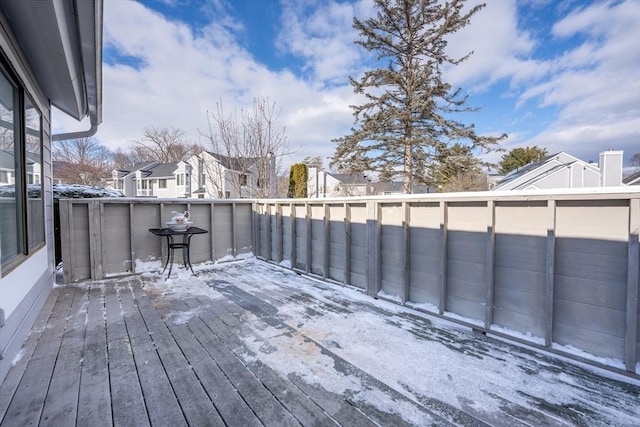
[20, 179]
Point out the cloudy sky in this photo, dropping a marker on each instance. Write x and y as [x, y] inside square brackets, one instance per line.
[560, 74]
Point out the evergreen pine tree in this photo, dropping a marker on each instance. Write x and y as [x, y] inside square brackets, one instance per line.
[406, 121]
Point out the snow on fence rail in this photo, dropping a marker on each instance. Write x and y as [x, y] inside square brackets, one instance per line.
[556, 271]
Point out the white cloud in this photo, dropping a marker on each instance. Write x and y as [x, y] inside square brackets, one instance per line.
[176, 73]
[322, 34]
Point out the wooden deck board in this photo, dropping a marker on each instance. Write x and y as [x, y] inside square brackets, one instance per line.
[127, 401]
[60, 406]
[94, 403]
[301, 407]
[14, 376]
[28, 401]
[130, 352]
[196, 405]
[155, 384]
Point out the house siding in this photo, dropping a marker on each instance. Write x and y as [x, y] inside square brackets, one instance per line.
[24, 289]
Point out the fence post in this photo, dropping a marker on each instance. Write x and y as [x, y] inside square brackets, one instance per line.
[279, 233]
[294, 256]
[347, 243]
[327, 238]
[443, 253]
[307, 251]
[406, 259]
[66, 243]
[551, 250]
[267, 226]
[631, 321]
[212, 223]
[373, 248]
[489, 267]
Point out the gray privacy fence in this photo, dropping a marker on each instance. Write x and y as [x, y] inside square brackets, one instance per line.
[104, 238]
[555, 271]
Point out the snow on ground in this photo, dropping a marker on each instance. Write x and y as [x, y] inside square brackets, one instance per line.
[421, 357]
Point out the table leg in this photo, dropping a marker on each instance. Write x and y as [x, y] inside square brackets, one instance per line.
[168, 254]
[186, 254]
[171, 256]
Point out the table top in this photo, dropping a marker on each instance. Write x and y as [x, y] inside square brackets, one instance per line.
[170, 232]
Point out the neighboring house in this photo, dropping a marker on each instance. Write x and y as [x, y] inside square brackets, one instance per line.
[562, 170]
[216, 176]
[388, 188]
[50, 55]
[204, 176]
[124, 180]
[326, 184]
[153, 179]
[633, 179]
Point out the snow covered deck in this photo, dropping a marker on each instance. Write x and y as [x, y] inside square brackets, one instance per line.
[248, 343]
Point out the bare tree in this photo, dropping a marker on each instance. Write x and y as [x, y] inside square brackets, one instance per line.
[81, 161]
[164, 145]
[249, 144]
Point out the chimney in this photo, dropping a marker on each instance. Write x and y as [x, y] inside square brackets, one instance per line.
[610, 168]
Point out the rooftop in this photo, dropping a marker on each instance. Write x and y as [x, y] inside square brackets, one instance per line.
[250, 343]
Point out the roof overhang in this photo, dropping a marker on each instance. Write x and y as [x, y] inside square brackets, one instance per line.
[62, 40]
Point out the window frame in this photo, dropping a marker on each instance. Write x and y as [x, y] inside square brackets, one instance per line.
[25, 248]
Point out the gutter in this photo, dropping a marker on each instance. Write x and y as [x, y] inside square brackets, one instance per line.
[90, 32]
[79, 134]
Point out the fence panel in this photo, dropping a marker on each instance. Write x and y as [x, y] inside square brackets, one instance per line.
[552, 270]
[106, 237]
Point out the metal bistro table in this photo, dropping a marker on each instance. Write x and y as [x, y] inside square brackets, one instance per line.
[172, 245]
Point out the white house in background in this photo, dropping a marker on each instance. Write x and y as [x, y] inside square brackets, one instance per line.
[326, 184]
[562, 170]
[50, 55]
[216, 176]
[153, 179]
[204, 176]
[390, 188]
